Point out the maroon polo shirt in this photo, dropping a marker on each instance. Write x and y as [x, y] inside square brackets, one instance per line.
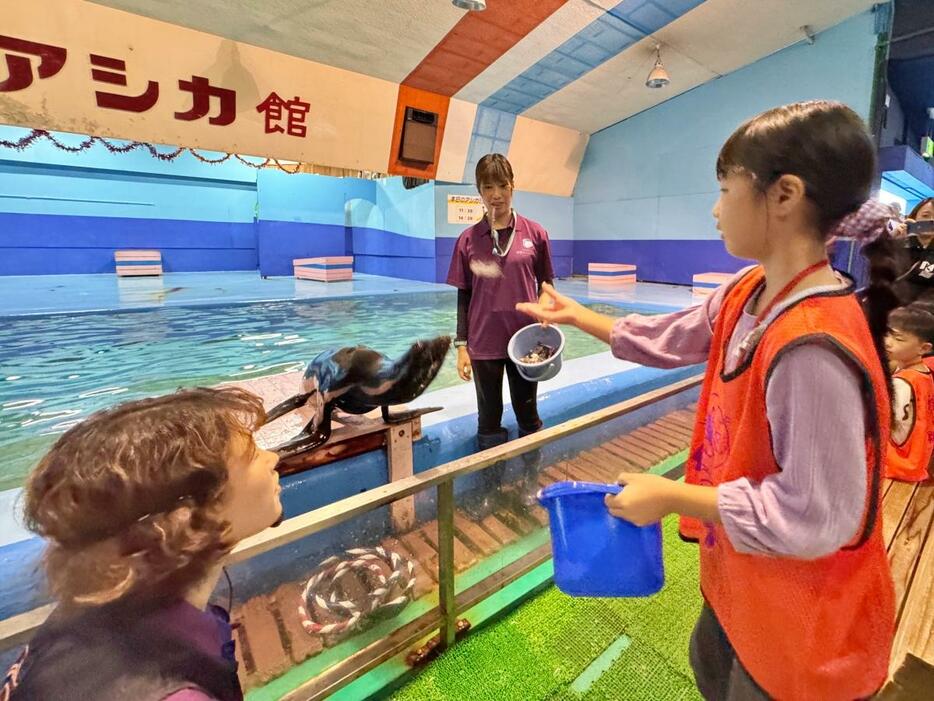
[492, 318]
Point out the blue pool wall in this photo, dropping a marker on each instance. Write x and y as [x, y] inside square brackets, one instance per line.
[22, 587]
[64, 213]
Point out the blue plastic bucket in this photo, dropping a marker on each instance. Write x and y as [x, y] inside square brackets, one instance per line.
[525, 339]
[596, 554]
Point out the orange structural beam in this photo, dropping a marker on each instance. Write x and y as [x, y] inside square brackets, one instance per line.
[476, 42]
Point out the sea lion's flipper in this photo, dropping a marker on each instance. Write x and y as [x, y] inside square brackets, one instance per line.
[310, 438]
[302, 442]
[403, 416]
[290, 404]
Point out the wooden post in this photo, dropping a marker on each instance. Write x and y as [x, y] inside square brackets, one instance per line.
[446, 601]
[399, 456]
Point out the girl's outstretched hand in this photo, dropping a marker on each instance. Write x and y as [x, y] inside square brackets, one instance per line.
[553, 307]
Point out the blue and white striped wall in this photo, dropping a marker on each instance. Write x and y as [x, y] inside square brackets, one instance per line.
[393, 235]
[67, 213]
[609, 34]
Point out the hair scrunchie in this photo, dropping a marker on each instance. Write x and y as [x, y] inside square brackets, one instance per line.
[871, 221]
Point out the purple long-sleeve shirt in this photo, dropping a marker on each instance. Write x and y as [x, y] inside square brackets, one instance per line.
[817, 418]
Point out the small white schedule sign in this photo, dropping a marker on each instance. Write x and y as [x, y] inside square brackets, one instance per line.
[464, 209]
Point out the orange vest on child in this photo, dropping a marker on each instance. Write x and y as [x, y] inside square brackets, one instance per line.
[909, 461]
[803, 629]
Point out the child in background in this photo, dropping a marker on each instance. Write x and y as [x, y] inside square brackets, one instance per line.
[910, 338]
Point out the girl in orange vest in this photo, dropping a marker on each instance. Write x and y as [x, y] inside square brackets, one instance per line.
[782, 489]
[910, 338]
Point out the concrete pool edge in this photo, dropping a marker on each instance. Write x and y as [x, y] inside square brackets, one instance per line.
[286, 289]
[108, 298]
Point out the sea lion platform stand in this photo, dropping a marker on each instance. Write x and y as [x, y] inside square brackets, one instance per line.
[367, 432]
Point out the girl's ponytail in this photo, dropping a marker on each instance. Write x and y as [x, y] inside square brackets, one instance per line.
[871, 226]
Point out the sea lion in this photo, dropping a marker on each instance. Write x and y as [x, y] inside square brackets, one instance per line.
[356, 380]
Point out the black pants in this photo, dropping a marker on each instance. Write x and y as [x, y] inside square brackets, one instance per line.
[717, 671]
[488, 382]
[518, 476]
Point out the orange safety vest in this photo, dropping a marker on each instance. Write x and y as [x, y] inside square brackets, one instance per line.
[909, 461]
[803, 629]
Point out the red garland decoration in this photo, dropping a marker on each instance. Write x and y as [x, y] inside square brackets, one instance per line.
[250, 163]
[284, 169]
[208, 160]
[28, 140]
[25, 142]
[120, 149]
[84, 145]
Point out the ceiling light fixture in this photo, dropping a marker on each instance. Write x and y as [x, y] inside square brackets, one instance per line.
[475, 5]
[658, 77]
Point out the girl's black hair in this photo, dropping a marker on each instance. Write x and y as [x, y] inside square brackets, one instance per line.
[827, 145]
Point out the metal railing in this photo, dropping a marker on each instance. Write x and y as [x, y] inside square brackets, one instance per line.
[19, 629]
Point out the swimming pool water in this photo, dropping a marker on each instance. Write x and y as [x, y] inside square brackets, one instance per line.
[56, 370]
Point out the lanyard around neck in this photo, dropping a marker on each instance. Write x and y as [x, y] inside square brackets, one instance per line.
[494, 235]
[758, 328]
[786, 290]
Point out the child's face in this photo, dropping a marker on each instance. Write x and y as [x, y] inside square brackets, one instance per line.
[904, 348]
[741, 217]
[251, 498]
[497, 197]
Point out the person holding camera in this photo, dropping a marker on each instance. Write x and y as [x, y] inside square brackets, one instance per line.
[918, 232]
[919, 224]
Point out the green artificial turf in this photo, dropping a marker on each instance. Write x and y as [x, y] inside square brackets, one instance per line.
[558, 648]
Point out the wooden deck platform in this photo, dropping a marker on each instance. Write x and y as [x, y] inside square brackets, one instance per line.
[270, 638]
[908, 523]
